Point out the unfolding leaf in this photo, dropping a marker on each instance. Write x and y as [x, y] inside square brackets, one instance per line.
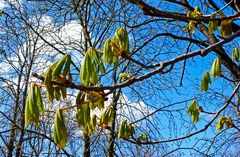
[108, 52]
[66, 68]
[212, 25]
[107, 116]
[39, 99]
[226, 28]
[216, 69]
[193, 111]
[60, 130]
[191, 26]
[236, 54]
[205, 81]
[220, 123]
[58, 68]
[125, 130]
[122, 35]
[229, 122]
[32, 111]
[83, 114]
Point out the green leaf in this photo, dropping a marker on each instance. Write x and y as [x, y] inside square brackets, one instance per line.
[58, 68]
[197, 12]
[84, 72]
[32, 112]
[122, 35]
[63, 92]
[80, 98]
[66, 68]
[107, 116]
[83, 114]
[220, 123]
[193, 111]
[205, 81]
[60, 130]
[226, 28]
[216, 69]
[212, 25]
[108, 52]
[191, 26]
[236, 54]
[39, 99]
[57, 93]
[142, 137]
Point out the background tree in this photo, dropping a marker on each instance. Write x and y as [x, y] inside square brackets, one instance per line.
[172, 45]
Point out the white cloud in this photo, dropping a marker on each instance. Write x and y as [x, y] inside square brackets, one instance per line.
[5, 3]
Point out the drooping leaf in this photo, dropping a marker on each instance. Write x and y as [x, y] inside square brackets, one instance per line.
[220, 123]
[193, 111]
[122, 35]
[205, 81]
[226, 28]
[197, 12]
[236, 54]
[123, 130]
[63, 91]
[83, 114]
[67, 65]
[57, 93]
[216, 69]
[58, 68]
[229, 122]
[191, 26]
[108, 52]
[39, 100]
[212, 25]
[32, 111]
[80, 98]
[60, 130]
[106, 116]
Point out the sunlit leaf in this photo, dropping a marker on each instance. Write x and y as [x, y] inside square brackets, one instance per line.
[205, 81]
[216, 69]
[226, 28]
[193, 111]
[212, 25]
[60, 130]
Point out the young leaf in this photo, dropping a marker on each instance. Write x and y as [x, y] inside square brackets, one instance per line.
[27, 113]
[57, 93]
[220, 123]
[236, 54]
[58, 68]
[191, 26]
[106, 116]
[60, 130]
[84, 72]
[205, 81]
[193, 111]
[39, 99]
[32, 112]
[66, 68]
[83, 114]
[63, 92]
[229, 122]
[216, 69]
[197, 12]
[108, 52]
[122, 35]
[122, 132]
[212, 25]
[226, 28]
[80, 98]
